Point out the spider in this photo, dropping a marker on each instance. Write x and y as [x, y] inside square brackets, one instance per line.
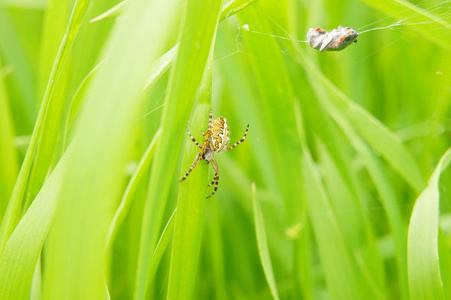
[215, 141]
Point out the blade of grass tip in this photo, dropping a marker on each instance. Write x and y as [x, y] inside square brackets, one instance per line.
[262, 244]
[112, 12]
[425, 280]
[163, 243]
[76, 101]
[133, 184]
[13, 212]
[233, 7]
[22, 250]
[197, 32]
[374, 131]
[36, 282]
[163, 64]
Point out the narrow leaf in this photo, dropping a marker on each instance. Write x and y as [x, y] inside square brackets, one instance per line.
[425, 280]
[262, 243]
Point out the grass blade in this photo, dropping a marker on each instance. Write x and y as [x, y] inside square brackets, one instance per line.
[196, 36]
[326, 229]
[234, 6]
[15, 55]
[8, 155]
[101, 147]
[262, 243]
[53, 104]
[425, 280]
[22, 250]
[190, 218]
[374, 132]
[43, 122]
[124, 206]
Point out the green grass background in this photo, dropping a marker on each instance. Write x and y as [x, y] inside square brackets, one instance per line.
[340, 190]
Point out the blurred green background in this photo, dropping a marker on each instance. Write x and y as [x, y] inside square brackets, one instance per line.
[336, 193]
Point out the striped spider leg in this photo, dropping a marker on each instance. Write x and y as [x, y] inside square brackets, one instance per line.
[215, 141]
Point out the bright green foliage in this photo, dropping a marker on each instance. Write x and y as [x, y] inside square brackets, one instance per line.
[327, 198]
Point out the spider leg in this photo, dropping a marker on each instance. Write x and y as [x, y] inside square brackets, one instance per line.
[216, 178]
[196, 161]
[193, 139]
[240, 141]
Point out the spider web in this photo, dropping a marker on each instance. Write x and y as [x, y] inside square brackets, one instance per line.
[434, 20]
[405, 21]
[430, 17]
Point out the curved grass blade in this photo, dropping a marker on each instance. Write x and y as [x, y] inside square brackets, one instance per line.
[262, 243]
[76, 102]
[233, 7]
[127, 197]
[18, 260]
[372, 130]
[52, 101]
[43, 123]
[425, 279]
[163, 243]
[384, 189]
[112, 12]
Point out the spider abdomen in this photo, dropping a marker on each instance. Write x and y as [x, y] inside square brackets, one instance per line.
[219, 135]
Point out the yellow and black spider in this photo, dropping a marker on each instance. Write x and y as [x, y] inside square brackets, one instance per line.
[215, 141]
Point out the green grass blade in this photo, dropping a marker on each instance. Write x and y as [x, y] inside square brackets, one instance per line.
[8, 154]
[130, 190]
[22, 250]
[14, 54]
[43, 124]
[53, 104]
[76, 102]
[116, 10]
[374, 132]
[163, 242]
[262, 243]
[190, 218]
[425, 280]
[234, 6]
[384, 188]
[95, 173]
[196, 36]
[326, 229]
